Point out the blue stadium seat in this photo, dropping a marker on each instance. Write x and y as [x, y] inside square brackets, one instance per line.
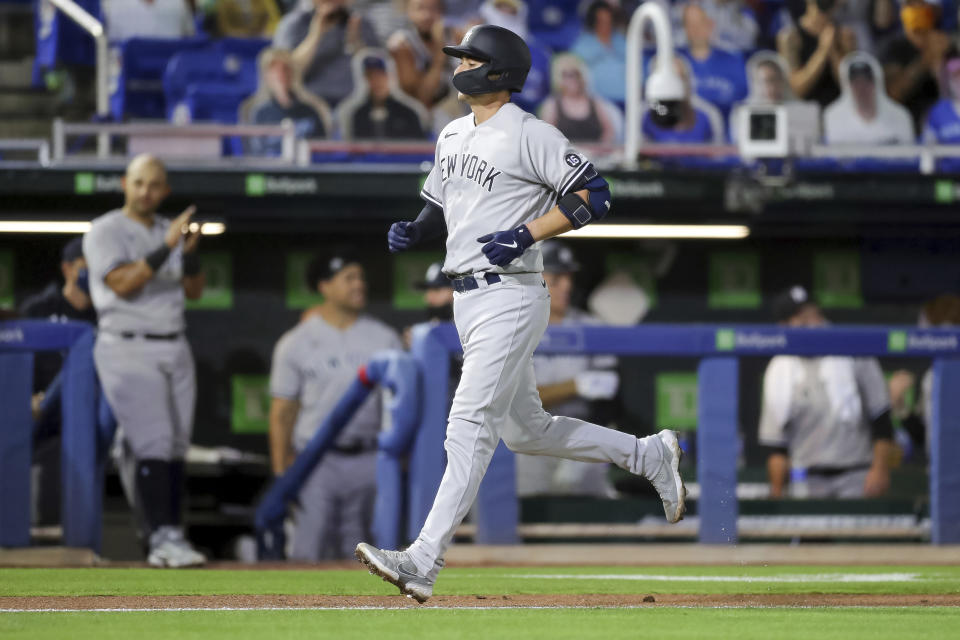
[217, 102]
[60, 40]
[137, 71]
[235, 73]
[243, 47]
[555, 23]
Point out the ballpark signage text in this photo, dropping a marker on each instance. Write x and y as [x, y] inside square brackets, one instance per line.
[730, 339]
[921, 341]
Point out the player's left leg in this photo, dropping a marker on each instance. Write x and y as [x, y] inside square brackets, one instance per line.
[499, 326]
[533, 431]
[176, 362]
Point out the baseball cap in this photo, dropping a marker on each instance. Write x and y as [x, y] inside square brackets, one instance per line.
[374, 62]
[434, 278]
[788, 303]
[558, 257]
[72, 250]
[329, 263]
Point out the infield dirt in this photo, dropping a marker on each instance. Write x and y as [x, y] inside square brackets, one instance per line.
[461, 602]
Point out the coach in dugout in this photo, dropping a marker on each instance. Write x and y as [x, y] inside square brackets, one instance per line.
[313, 365]
[568, 385]
[142, 267]
[829, 416]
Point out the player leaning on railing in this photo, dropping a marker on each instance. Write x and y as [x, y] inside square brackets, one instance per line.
[501, 182]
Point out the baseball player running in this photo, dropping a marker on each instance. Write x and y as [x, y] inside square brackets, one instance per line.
[142, 266]
[502, 181]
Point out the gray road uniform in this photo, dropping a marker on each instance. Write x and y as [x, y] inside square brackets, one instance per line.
[496, 176]
[314, 364]
[539, 475]
[142, 356]
[820, 409]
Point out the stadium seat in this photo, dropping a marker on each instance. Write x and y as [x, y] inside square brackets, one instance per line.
[555, 23]
[243, 47]
[217, 102]
[137, 70]
[60, 40]
[233, 72]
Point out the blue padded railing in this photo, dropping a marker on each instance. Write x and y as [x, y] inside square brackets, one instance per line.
[720, 349]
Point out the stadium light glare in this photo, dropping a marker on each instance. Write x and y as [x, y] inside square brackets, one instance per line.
[44, 226]
[675, 231]
[81, 226]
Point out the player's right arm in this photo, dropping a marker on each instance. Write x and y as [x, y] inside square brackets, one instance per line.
[428, 225]
[283, 417]
[127, 279]
[286, 387]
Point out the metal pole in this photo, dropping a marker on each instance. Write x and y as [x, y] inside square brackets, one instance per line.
[657, 15]
[95, 28]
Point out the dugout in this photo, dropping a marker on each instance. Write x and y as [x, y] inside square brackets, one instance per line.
[872, 246]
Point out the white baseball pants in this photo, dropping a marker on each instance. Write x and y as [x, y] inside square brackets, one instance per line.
[500, 325]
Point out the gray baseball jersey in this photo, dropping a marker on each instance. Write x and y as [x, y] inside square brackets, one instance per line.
[115, 240]
[821, 408]
[315, 363]
[496, 176]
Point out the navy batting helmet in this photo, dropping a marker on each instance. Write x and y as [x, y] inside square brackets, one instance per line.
[505, 55]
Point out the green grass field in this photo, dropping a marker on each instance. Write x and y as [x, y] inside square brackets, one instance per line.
[846, 623]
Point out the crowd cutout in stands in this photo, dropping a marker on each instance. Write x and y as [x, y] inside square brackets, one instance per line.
[865, 63]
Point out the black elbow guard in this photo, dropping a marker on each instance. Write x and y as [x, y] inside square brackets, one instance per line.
[582, 212]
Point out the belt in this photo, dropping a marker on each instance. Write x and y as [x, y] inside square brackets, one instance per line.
[469, 283]
[131, 335]
[832, 472]
[355, 448]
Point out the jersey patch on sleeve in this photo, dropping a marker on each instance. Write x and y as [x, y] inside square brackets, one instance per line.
[573, 159]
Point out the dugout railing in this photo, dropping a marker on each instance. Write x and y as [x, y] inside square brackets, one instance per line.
[720, 348]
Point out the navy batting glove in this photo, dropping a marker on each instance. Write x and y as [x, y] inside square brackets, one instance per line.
[503, 247]
[402, 236]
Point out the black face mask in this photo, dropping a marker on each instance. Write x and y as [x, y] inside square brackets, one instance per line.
[440, 314]
[475, 81]
[666, 113]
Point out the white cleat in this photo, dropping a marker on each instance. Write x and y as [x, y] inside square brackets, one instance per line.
[666, 480]
[169, 549]
[398, 569]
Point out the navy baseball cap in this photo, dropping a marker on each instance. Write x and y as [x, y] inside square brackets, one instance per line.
[788, 303]
[374, 62]
[435, 278]
[558, 257]
[329, 263]
[73, 250]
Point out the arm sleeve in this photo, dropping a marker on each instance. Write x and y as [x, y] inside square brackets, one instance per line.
[431, 191]
[105, 251]
[286, 379]
[551, 158]
[775, 412]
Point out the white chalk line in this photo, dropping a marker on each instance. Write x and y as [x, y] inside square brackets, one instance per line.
[459, 608]
[798, 578]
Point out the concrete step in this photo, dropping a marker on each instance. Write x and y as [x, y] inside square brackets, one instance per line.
[25, 127]
[17, 38]
[16, 73]
[27, 102]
